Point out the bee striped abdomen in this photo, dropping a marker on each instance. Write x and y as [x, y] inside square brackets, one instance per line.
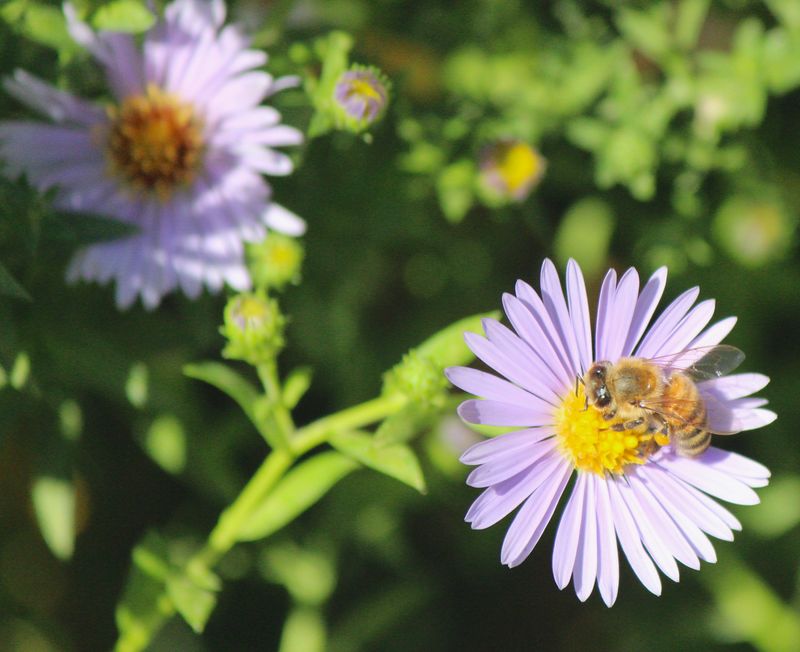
[688, 433]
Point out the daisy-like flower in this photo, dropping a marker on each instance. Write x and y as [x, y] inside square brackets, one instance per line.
[656, 503]
[179, 153]
[511, 169]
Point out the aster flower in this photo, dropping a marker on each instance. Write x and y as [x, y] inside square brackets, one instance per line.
[179, 152]
[511, 169]
[657, 504]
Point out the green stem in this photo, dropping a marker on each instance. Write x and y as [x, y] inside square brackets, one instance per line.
[225, 533]
[268, 373]
[363, 414]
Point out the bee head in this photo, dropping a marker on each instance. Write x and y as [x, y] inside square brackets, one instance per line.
[595, 381]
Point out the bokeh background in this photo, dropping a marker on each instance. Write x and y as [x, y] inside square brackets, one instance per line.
[670, 134]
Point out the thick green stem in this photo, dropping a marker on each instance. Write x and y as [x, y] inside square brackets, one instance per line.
[268, 373]
[316, 433]
[225, 533]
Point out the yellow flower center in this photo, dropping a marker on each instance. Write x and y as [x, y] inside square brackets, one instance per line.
[364, 89]
[518, 164]
[588, 440]
[155, 142]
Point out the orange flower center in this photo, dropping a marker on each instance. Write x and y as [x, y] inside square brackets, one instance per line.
[155, 142]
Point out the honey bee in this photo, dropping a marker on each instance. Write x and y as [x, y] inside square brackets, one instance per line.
[659, 394]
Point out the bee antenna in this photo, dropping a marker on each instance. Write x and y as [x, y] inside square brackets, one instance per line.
[578, 379]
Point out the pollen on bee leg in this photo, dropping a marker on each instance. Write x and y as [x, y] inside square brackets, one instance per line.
[595, 444]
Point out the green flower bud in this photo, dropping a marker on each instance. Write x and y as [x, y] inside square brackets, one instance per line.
[275, 261]
[419, 379]
[361, 95]
[253, 327]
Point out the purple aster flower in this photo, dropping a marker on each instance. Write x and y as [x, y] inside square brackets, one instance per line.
[361, 95]
[656, 503]
[511, 168]
[179, 153]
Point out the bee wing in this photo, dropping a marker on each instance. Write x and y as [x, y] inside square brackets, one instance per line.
[666, 408]
[703, 362]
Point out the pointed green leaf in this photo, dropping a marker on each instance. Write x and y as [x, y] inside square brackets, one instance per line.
[141, 609]
[256, 406]
[10, 287]
[193, 602]
[47, 26]
[165, 442]
[397, 461]
[136, 385]
[296, 385]
[21, 371]
[401, 426]
[228, 381]
[300, 489]
[447, 348]
[54, 504]
[130, 16]
[304, 631]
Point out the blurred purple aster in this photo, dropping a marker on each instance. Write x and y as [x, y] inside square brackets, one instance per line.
[179, 154]
[361, 95]
[660, 506]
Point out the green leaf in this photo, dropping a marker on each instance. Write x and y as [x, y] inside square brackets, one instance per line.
[447, 348]
[82, 228]
[689, 21]
[136, 386]
[300, 489]
[54, 504]
[47, 26]
[130, 16]
[304, 631]
[10, 287]
[257, 407]
[139, 612]
[401, 426]
[21, 371]
[296, 385]
[228, 381]
[165, 442]
[193, 602]
[13, 10]
[455, 187]
[397, 461]
[648, 30]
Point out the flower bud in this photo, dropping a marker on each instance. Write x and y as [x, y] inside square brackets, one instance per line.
[275, 261]
[253, 327]
[361, 96]
[419, 379]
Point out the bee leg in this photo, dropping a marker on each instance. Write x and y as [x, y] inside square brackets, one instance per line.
[628, 425]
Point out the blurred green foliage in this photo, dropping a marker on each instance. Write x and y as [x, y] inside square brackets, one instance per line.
[668, 131]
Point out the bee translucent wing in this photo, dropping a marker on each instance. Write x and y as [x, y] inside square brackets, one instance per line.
[720, 360]
[704, 362]
[716, 412]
